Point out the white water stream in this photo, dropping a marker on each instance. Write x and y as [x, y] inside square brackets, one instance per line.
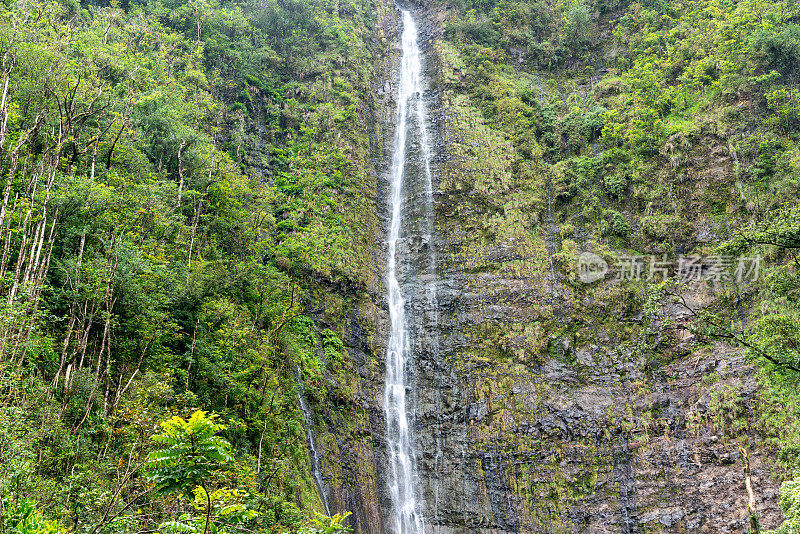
[406, 518]
[313, 451]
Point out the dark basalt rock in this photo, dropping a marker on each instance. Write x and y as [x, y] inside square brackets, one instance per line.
[532, 409]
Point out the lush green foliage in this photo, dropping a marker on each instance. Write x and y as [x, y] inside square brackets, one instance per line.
[185, 184]
[327, 525]
[178, 180]
[190, 452]
[22, 517]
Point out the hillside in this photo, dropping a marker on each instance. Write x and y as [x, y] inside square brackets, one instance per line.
[196, 206]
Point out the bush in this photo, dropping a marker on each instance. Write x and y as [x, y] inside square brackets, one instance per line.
[779, 50]
[474, 27]
[616, 184]
[768, 156]
[23, 517]
[790, 503]
[577, 33]
[618, 225]
[327, 525]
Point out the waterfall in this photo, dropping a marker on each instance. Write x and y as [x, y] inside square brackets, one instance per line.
[313, 452]
[406, 519]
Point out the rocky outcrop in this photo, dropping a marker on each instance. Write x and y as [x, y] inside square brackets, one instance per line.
[540, 404]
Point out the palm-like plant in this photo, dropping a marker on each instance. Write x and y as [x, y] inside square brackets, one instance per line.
[190, 452]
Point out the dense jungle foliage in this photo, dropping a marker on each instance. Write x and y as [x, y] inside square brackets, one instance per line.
[181, 181]
[177, 178]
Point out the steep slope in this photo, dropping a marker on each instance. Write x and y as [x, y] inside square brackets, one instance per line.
[188, 212]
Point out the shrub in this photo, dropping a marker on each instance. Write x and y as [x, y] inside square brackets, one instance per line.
[576, 29]
[616, 184]
[474, 27]
[790, 503]
[779, 50]
[618, 225]
[22, 517]
[768, 155]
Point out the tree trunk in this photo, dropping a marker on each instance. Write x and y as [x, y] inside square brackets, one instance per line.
[180, 173]
[4, 108]
[755, 526]
[191, 241]
[7, 240]
[72, 313]
[208, 510]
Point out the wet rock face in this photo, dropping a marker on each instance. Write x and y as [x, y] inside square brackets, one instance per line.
[587, 440]
[534, 409]
[535, 405]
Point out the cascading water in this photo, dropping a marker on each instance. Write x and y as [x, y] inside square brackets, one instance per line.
[313, 451]
[411, 111]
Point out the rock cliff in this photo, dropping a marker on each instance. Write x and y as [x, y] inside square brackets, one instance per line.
[540, 404]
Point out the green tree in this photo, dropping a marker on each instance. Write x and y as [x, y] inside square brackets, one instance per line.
[190, 453]
[577, 28]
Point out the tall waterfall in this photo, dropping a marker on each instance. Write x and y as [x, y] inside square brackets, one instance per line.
[411, 110]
